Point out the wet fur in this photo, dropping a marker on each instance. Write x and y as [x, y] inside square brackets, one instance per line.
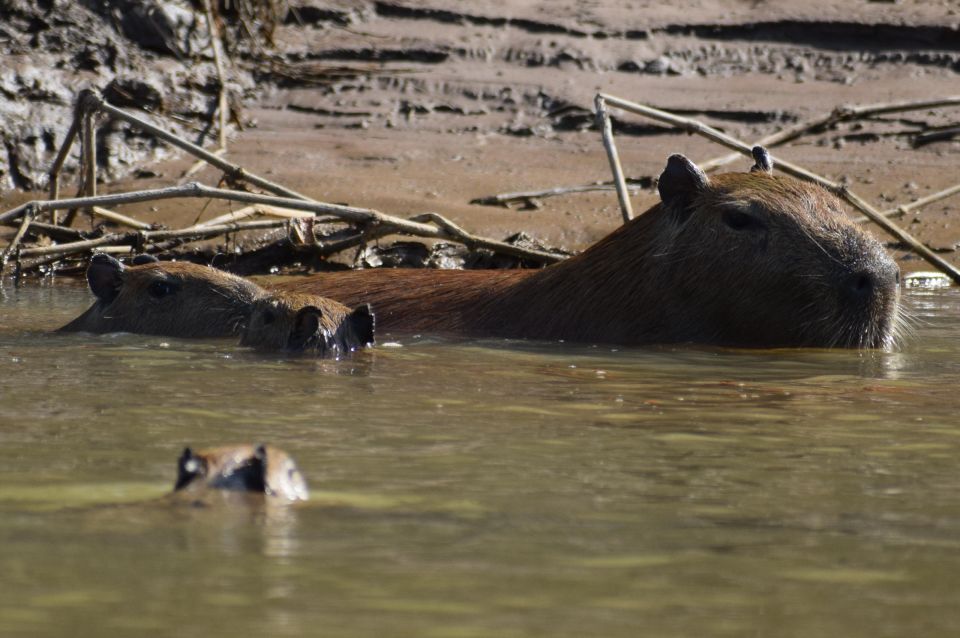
[674, 274]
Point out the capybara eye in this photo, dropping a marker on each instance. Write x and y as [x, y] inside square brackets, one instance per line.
[269, 317]
[160, 289]
[741, 221]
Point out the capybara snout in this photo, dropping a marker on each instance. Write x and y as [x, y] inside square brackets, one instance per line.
[171, 299]
[308, 323]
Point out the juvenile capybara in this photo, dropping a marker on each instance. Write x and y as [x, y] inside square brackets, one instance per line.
[739, 259]
[261, 469]
[174, 299]
[307, 323]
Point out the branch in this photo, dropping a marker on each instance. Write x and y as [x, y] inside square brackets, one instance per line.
[694, 126]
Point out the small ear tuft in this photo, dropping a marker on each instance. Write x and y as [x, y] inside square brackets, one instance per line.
[363, 324]
[260, 452]
[139, 260]
[105, 276]
[680, 181]
[306, 325]
[763, 163]
[185, 469]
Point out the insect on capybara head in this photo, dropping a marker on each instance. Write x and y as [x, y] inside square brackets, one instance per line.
[261, 469]
[756, 258]
[309, 324]
[174, 299]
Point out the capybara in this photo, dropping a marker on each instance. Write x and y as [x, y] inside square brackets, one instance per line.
[261, 469]
[739, 259]
[174, 299]
[307, 323]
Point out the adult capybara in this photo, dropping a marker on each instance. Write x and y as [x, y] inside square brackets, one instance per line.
[740, 259]
[173, 299]
[307, 323]
[262, 469]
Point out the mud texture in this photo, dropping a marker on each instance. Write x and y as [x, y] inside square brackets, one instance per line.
[426, 106]
[147, 55]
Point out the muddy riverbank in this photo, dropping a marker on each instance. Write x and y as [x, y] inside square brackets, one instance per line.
[410, 107]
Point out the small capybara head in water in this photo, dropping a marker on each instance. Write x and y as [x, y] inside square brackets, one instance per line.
[260, 469]
[746, 259]
[308, 323]
[173, 298]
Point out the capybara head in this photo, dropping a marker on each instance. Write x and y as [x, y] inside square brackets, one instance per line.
[739, 259]
[247, 468]
[308, 323]
[175, 299]
[757, 258]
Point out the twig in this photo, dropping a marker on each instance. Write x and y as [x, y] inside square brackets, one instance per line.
[221, 74]
[234, 171]
[15, 242]
[363, 216]
[456, 233]
[199, 165]
[837, 115]
[54, 173]
[900, 211]
[251, 211]
[504, 199]
[603, 121]
[144, 236]
[936, 136]
[117, 218]
[693, 126]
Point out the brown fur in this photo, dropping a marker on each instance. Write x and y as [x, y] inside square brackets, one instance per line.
[299, 322]
[171, 298]
[263, 468]
[798, 274]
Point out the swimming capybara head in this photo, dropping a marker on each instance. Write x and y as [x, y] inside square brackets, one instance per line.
[261, 469]
[308, 323]
[175, 299]
[762, 258]
[740, 259]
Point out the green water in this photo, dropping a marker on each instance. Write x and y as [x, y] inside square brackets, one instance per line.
[481, 489]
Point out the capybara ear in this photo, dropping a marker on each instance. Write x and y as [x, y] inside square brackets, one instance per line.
[187, 469]
[306, 325]
[680, 181]
[363, 324]
[763, 163]
[105, 276]
[139, 260]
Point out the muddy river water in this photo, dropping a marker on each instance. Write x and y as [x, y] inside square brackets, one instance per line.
[481, 488]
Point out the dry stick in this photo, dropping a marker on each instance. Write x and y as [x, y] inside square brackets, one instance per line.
[603, 120]
[507, 198]
[141, 237]
[221, 74]
[693, 126]
[232, 170]
[54, 173]
[364, 216]
[199, 164]
[15, 242]
[119, 219]
[456, 233]
[89, 145]
[839, 114]
[902, 210]
[250, 211]
[782, 136]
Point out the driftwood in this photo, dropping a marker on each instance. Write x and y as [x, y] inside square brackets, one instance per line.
[694, 126]
[289, 206]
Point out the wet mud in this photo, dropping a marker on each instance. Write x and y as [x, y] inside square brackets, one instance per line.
[433, 106]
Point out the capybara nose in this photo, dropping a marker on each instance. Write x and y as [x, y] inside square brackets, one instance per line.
[882, 277]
